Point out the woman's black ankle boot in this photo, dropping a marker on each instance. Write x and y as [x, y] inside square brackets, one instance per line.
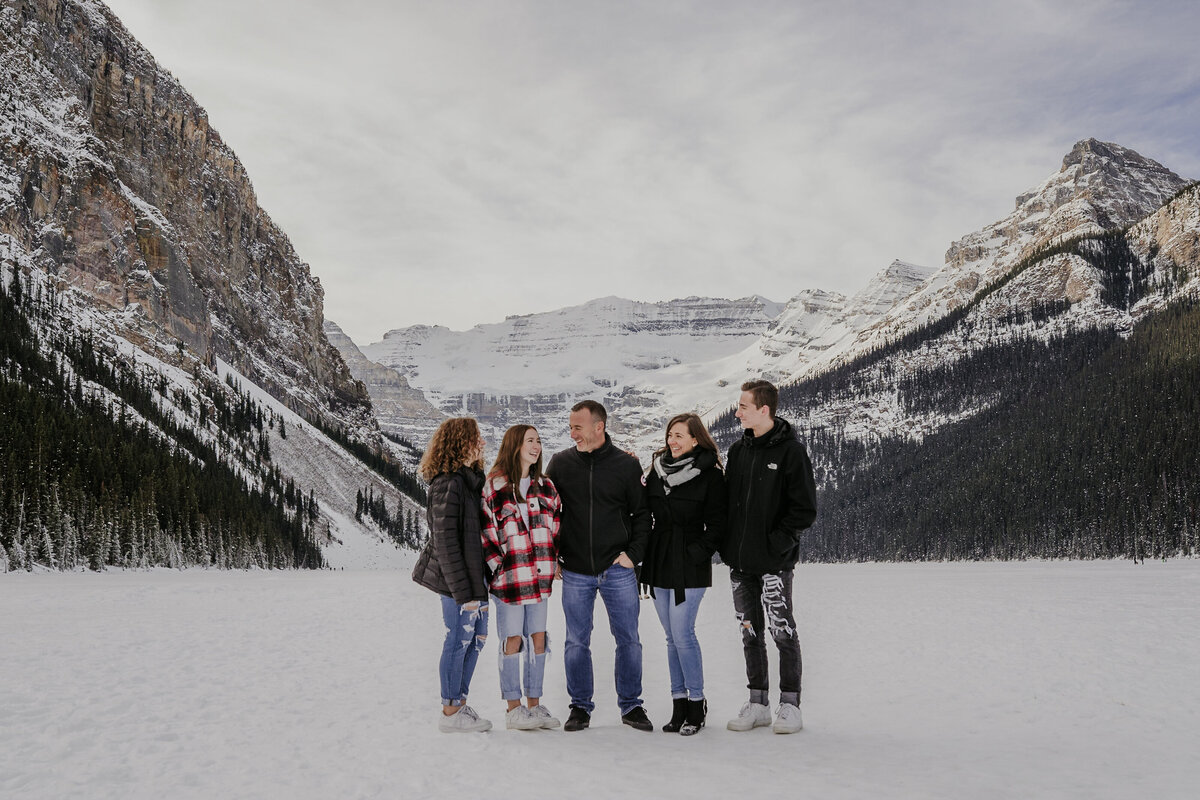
[678, 714]
[697, 710]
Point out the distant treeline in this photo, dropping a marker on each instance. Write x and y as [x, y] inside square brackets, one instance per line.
[1088, 446]
[85, 484]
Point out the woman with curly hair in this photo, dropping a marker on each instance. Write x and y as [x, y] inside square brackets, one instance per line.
[452, 562]
[685, 491]
[520, 545]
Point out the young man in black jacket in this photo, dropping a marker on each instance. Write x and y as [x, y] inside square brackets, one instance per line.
[772, 499]
[603, 534]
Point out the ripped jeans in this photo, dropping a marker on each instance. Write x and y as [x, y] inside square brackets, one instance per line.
[466, 632]
[523, 621]
[763, 604]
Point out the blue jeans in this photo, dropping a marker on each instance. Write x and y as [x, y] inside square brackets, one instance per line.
[524, 621]
[619, 591]
[683, 648]
[466, 631]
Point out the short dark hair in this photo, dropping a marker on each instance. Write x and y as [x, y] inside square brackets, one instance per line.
[764, 394]
[595, 409]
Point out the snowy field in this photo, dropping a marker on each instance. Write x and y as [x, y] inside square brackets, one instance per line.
[1035, 680]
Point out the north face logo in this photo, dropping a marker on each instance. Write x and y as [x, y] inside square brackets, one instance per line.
[772, 466]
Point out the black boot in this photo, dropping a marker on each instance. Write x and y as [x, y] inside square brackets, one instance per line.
[697, 710]
[678, 715]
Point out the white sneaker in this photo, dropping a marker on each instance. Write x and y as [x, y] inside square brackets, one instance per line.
[752, 715]
[788, 719]
[519, 719]
[543, 716]
[464, 721]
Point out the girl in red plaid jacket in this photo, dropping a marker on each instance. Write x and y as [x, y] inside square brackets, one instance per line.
[520, 535]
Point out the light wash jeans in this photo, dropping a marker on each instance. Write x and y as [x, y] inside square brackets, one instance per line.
[618, 589]
[524, 621]
[466, 632]
[683, 648]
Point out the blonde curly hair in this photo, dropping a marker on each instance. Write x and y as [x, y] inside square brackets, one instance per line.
[454, 445]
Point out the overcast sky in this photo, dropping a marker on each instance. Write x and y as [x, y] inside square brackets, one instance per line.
[456, 162]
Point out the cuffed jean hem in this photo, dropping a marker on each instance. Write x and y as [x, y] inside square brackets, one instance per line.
[466, 632]
[789, 697]
[760, 696]
[535, 669]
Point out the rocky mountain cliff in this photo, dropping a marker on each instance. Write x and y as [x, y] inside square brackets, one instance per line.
[1100, 187]
[645, 361]
[113, 180]
[535, 367]
[647, 365]
[136, 230]
[402, 411]
[1112, 280]
[817, 328]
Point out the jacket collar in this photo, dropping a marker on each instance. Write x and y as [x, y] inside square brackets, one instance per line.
[599, 453]
[472, 476]
[780, 431]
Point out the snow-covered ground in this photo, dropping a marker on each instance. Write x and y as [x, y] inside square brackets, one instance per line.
[1030, 680]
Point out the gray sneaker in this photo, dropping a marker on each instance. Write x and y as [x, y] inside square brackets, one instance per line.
[465, 721]
[543, 716]
[788, 719]
[752, 715]
[519, 719]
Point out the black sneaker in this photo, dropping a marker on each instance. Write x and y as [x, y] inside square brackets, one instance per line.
[636, 718]
[578, 720]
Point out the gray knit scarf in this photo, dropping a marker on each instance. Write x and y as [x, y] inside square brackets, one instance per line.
[674, 472]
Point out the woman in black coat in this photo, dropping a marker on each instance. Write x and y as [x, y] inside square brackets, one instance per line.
[452, 562]
[685, 491]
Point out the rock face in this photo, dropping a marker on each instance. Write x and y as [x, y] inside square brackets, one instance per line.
[533, 368]
[1169, 239]
[817, 328]
[1113, 279]
[1100, 187]
[647, 363]
[112, 179]
[402, 410]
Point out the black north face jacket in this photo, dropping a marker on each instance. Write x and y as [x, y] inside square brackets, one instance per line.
[772, 499]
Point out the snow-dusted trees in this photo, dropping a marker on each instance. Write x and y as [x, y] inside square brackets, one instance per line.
[1088, 448]
[84, 485]
[401, 527]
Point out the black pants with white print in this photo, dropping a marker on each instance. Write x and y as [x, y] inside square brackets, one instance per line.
[763, 604]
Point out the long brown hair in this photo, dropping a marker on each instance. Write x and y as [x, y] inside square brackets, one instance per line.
[696, 429]
[452, 446]
[508, 460]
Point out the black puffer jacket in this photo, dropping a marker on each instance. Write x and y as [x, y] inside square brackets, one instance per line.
[603, 507]
[687, 527]
[452, 562]
[772, 498]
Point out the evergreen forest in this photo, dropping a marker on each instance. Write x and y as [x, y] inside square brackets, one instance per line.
[95, 472]
[1087, 447]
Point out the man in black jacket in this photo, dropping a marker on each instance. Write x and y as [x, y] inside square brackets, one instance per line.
[603, 534]
[772, 499]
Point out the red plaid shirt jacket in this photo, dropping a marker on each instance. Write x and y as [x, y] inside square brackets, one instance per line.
[522, 560]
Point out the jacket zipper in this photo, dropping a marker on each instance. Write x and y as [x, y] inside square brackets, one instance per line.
[746, 508]
[591, 533]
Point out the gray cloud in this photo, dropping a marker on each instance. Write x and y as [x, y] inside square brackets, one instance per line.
[454, 163]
